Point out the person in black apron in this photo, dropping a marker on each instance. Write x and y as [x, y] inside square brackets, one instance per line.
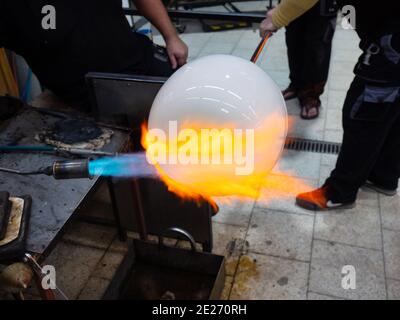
[88, 35]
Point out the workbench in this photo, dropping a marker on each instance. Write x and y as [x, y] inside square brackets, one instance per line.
[54, 202]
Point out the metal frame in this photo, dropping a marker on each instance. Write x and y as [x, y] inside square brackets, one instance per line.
[202, 4]
[199, 15]
[143, 223]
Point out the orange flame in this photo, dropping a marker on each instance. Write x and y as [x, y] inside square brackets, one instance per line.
[199, 181]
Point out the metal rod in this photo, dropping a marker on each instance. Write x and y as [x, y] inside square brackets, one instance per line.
[115, 209]
[66, 115]
[73, 151]
[199, 15]
[139, 210]
[40, 171]
[39, 271]
[260, 47]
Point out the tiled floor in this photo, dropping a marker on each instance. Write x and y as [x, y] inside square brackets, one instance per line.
[284, 252]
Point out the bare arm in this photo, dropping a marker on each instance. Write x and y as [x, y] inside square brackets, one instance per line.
[156, 13]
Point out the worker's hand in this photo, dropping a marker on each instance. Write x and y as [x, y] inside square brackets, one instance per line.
[267, 25]
[177, 51]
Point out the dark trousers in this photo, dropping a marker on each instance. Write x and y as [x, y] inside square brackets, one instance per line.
[309, 44]
[371, 141]
[156, 64]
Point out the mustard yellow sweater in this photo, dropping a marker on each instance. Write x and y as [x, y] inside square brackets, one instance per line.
[289, 10]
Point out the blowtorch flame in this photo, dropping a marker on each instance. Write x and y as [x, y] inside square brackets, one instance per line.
[220, 164]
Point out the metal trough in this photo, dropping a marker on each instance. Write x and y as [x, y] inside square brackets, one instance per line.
[152, 271]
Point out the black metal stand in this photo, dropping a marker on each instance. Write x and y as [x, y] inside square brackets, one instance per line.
[121, 231]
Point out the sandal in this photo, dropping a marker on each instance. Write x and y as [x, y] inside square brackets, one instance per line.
[289, 93]
[310, 108]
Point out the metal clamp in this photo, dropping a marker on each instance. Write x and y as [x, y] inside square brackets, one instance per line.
[182, 232]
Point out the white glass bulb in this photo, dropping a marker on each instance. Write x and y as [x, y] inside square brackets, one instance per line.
[220, 92]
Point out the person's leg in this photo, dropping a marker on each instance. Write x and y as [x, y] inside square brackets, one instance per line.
[294, 36]
[156, 62]
[386, 172]
[320, 31]
[369, 114]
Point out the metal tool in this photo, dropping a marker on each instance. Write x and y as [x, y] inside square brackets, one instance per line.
[72, 151]
[40, 273]
[74, 169]
[70, 169]
[260, 47]
[65, 115]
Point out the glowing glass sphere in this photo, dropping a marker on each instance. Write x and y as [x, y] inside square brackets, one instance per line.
[225, 93]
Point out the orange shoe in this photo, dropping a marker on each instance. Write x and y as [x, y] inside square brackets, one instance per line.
[318, 200]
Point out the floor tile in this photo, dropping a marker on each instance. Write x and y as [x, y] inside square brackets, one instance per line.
[292, 162]
[340, 82]
[359, 226]
[74, 264]
[108, 264]
[393, 287]
[317, 296]
[328, 260]
[229, 241]
[94, 289]
[270, 278]
[336, 99]
[227, 288]
[334, 119]
[333, 136]
[234, 211]
[329, 160]
[310, 129]
[390, 211]
[91, 235]
[230, 36]
[346, 55]
[342, 68]
[391, 245]
[279, 234]
[217, 48]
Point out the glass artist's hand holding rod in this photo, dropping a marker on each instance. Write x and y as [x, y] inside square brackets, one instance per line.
[286, 12]
[156, 13]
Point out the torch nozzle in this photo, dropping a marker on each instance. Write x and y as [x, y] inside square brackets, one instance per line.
[70, 169]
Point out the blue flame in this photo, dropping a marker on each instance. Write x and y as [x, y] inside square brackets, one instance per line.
[133, 165]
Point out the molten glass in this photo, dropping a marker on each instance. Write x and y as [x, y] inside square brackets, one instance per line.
[217, 128]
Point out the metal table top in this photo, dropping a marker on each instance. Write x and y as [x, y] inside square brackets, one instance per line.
[53, 201]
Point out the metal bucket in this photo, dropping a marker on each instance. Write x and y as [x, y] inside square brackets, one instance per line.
[152, 271]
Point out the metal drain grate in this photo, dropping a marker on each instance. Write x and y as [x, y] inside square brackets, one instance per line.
[300, 144]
